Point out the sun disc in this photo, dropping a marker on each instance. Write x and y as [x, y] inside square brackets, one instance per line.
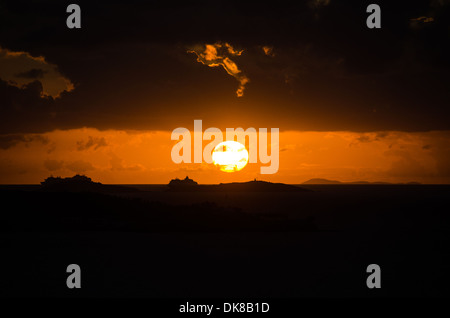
[230, 156]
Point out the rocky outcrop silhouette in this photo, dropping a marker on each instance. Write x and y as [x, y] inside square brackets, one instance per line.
[178, 184]
[80, 183]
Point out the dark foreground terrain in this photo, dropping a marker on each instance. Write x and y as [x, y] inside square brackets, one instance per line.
[159, 243]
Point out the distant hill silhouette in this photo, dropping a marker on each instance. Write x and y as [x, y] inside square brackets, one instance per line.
[176, 183]
[326, 181]
[321, 181]
[189, 185]
[80, 183]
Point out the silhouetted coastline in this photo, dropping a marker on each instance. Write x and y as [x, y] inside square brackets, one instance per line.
[81, 183]
[189, 185]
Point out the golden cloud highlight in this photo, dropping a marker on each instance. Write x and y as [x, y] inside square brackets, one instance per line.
[218, 54]
[268, 50]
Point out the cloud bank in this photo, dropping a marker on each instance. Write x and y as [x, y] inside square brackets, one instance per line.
[132, 157]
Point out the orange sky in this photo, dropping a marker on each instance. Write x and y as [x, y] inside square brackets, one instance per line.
[143, 157]
[352, 103]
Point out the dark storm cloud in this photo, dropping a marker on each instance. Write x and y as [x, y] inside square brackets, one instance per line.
[330, 72]
[25, 109]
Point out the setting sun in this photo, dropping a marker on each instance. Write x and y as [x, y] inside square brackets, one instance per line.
[230, 156]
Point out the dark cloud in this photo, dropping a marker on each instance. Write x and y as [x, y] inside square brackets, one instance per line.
[92, 142]
[20, 68]
[364, 138]
[34, 73]
[131, 69]
[11, 140]
[369, 137]
[24, 109]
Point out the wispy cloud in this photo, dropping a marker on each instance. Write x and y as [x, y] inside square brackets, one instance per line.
[92, 142]
[268, 50]
[423, 19]
[218, 54]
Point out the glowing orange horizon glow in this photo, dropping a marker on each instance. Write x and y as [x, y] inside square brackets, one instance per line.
[144, 157]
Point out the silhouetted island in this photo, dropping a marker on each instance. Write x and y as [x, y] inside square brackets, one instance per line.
[181, 184]
[80, 183]
[189, 185]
